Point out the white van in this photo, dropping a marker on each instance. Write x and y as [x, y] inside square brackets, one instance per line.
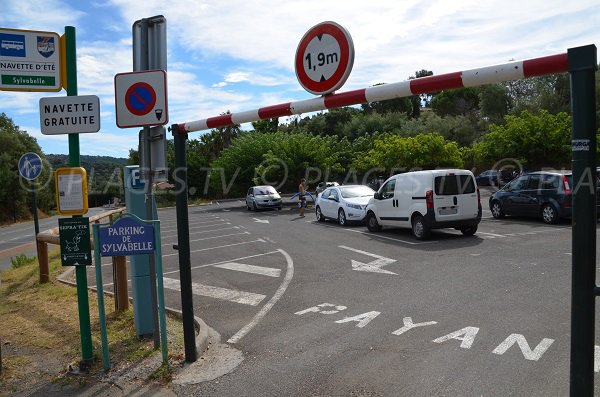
[426, 200]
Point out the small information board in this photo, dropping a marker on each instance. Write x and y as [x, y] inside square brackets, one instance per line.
[127, 236]
[71, 191]
[75, 247]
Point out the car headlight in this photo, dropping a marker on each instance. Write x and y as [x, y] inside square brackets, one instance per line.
[355, 206]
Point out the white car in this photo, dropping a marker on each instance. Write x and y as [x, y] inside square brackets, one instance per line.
[344, 203]
[426, 200]
[260, 197]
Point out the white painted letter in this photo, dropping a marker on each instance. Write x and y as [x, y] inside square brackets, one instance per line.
[362, 319]
[467, 340]
[408, 325]
[522, 342]
[317, 309]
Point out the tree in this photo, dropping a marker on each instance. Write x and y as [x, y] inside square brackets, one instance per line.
[494, 102]
[15, 193]
[461, 101]
[267, 125]
[393, 152]
[536, 140]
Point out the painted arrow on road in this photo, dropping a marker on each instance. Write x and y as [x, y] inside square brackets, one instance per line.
[260, 220]
[373, 266]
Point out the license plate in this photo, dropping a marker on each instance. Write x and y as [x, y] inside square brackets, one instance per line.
[447, 211]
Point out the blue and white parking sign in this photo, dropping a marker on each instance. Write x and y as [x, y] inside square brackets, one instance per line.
[30, 166]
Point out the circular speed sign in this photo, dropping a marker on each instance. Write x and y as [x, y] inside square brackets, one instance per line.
[324, 58]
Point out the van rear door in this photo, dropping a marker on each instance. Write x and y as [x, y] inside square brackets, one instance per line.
[455, 196]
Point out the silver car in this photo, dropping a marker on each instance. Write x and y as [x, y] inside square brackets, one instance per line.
[259, 197]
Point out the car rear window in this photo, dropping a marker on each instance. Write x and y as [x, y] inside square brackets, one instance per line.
[450, 185]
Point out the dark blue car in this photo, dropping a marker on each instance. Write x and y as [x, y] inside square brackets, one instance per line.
[542, 194]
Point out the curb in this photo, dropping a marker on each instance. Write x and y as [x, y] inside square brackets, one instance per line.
[199, 324]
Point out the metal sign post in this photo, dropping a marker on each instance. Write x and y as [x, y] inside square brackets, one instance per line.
[149, 53]
[129, 235]
[74, 161]
[582, 69]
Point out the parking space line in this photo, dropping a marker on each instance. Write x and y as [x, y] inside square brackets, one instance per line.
[390, 238]
[267, 307]
[200, 227]
[491, 235]
[210, 238]
[260, 240]
[230, 260]
[241, 267]
[245, 298]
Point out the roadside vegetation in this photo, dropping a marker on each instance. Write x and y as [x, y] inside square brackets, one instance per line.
[40, 338]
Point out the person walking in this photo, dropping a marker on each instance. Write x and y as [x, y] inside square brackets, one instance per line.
[302, 196]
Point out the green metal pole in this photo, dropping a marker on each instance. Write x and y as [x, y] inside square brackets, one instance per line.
[582, 68]
[80, 271]
[100, 290]
[160, 293]
[183, 244]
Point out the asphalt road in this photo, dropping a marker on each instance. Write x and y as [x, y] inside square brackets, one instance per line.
[319, 309]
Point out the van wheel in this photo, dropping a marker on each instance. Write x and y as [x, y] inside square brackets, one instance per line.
[342, 217]
[419, 228]
[469, 230]
[549, 214]
[372, 223]
[497, 211]
[319, 214]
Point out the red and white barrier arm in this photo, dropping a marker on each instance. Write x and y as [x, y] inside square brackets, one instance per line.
[469, 78]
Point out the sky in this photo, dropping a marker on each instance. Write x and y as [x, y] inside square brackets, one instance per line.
[238, 55]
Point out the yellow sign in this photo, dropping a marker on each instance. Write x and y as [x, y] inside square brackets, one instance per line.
[71, 191]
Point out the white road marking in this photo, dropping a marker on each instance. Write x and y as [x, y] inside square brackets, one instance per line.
[229, 260]
[267, 307]
[231, 295]
[241, 267]
[261, 220]
[374, 235]
[533, 355]
[211, 238]
[260, 240]
[373, 266]
[200, 227]
[465, 335]
[491, 235]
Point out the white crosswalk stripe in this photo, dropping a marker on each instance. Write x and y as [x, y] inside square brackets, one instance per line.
[245, 298]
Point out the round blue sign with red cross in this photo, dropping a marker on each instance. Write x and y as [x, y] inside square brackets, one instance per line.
[140, 98]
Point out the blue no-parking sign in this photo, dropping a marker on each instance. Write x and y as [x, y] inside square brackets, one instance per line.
[30, 166]
[141, 99]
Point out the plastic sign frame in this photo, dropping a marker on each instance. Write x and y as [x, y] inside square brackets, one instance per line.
[71, 191]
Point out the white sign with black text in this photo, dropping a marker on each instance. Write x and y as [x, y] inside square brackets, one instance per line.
[70, 114]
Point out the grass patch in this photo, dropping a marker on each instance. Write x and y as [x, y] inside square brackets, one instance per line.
[40, 324]
[22, 260]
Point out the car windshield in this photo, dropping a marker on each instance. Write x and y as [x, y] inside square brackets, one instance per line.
[356, 191]
[262, 190]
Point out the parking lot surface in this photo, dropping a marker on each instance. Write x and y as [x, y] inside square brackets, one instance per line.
[320, 309]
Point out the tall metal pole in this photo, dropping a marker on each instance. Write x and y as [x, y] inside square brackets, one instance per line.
[183, 244]
[582, 68]
[80, 271]
[147, 172]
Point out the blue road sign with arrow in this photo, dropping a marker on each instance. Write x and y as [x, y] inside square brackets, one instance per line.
[30, 166]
